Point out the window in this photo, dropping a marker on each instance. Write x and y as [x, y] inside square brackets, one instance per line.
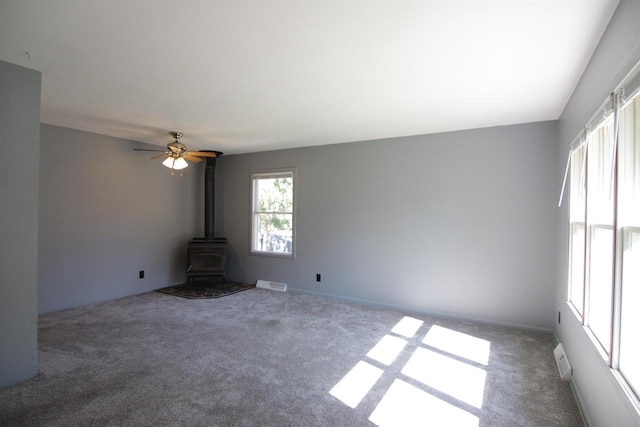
[591, 229]
[600, 234]
[273, 219]
[604, 234]
[629, 226]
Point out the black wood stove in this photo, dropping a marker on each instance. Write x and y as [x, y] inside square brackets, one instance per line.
[207, 256]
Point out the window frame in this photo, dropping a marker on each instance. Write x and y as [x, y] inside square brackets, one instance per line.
[255, 175]
[609, 351]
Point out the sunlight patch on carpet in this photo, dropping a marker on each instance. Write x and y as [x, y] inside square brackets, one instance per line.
[459, 344]
[445, 362]
[407, 327]
[387, 349]
[406, 405]
[453, 377]
[354, 386]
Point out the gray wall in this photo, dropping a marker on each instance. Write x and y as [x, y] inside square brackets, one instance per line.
[107, 212]
[19, 145]
[459, 223]
[601, 398]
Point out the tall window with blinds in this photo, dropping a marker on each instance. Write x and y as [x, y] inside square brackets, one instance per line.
[603, 286]
[272, 218]
[629, 232]
[600, 231]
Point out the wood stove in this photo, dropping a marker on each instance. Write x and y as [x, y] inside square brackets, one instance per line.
[207, 256]
[206, 259]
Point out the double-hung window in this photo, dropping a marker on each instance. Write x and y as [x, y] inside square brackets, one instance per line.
[629, 234]
[592, 230]
[600, 232]
[272, 217]
[604, 232]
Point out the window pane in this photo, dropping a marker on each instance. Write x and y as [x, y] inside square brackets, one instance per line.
[630, 314]
[629, 222]
[600, 231]
[629, 165]
[576, 268]
[275, 194]
[577, 229]
[274, 233]
[600, 280]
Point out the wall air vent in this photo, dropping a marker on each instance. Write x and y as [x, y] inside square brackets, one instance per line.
[273, 286]
[564, 367]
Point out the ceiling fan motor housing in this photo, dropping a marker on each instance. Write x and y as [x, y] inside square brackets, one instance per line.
[177, 147]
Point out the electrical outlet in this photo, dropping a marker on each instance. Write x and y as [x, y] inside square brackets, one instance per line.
[141, 274]
[318, 277]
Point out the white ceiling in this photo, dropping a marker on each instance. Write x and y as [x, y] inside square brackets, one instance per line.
[240, 76]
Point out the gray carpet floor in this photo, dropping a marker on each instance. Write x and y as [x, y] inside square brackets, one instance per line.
[264, 358]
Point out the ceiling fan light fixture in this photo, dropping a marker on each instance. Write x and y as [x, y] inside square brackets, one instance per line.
[180, 163]
[175, 163]
[168, 162]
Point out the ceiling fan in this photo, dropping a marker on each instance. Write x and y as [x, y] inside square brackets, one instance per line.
[176, 154]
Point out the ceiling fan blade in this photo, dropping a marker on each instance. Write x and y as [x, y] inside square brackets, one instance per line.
[144, 149]
[191, 158]
[161, 156]
[202, 153]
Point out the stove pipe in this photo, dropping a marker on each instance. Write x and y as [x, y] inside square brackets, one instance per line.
[209, 196]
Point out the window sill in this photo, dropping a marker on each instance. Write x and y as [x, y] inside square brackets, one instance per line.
[594, 341]
[574, 311]
[596, 345]
[273, 254]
